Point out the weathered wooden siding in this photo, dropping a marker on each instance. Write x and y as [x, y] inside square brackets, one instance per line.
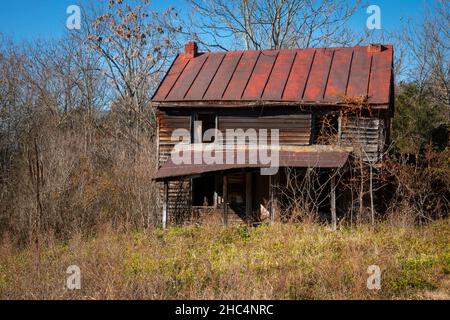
[178, 201]
[294, 129]
[365, 135]
[166, 125]
[179, 191]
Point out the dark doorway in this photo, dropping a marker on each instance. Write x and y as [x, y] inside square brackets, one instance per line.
[203, 191]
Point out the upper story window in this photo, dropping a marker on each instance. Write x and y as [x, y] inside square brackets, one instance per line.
[326, 129]
[202, 123]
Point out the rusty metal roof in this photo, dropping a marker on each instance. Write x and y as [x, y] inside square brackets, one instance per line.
[305, 76]
[316, 156]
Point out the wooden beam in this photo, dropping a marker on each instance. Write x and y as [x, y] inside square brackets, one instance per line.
[215, 199]
[333, 200]
[339, 128]
[225, 200]
[248, 196]
[165, 204]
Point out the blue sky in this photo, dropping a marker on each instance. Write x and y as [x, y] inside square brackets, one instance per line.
[45, 19]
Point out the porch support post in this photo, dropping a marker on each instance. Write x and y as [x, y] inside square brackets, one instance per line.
[225, 201]
[271, 200]
[333, 199]
[248, 196]
[165, 203]
[215, 195]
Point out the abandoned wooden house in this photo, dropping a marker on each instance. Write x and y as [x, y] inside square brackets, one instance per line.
[344, 94]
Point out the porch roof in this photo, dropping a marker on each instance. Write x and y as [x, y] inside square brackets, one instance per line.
[316, 156]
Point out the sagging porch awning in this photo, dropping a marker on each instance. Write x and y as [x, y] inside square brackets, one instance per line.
[315, 156]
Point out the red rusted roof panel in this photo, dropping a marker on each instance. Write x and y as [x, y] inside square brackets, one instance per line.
[260, 75]
[222, 77]
[317, 80]
[359, 73]
[170, 78]
[340, 68]
[279, 75]
[203, 79]
[378, 86]
[186, 78]
[298, 76]
[241, 76]
[317, 76]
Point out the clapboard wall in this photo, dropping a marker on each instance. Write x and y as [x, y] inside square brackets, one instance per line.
[365, 134]
[293, 129]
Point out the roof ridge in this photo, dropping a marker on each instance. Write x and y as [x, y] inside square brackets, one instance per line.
[385, 46]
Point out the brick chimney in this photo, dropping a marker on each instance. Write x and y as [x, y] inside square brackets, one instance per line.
[375, 47]
[190, 50]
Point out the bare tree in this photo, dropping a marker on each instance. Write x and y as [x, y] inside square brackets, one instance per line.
[271, 24]
[135, 45]
[428, 46]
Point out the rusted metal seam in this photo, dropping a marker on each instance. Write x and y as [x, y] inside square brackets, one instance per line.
[289, 75]
[196, 76]
[178, 77]
[309, 73]
[165, 76]
[349, 73]
[232, 74]
[370, 75]
[250, 75]
[214, 75]
[328, 75]
[270, 73]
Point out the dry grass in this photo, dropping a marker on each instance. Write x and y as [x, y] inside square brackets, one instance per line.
[278, 262]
